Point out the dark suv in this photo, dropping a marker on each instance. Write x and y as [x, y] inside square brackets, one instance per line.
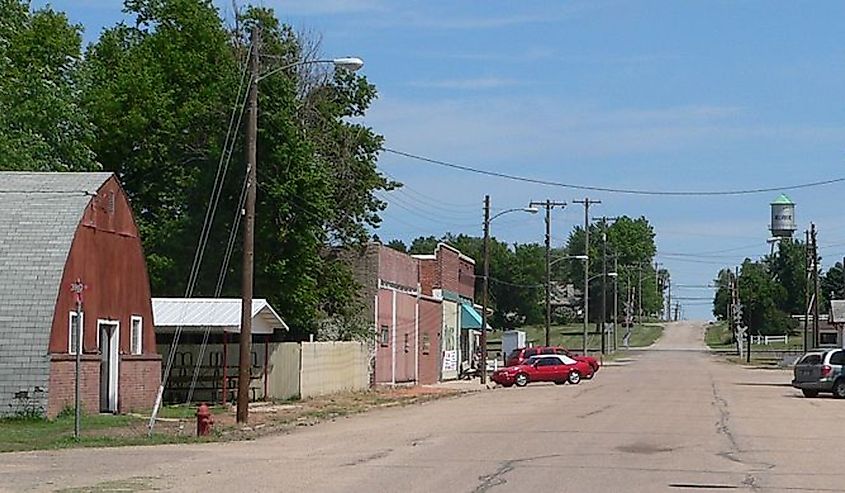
[821, 371]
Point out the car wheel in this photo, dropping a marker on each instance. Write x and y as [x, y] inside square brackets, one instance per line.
[810, 393]
[521, 380]
[574, 377]
[839, 389]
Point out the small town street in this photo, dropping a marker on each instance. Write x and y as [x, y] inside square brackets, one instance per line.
[671, 418]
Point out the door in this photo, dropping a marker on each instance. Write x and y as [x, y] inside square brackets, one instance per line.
[109, 337]
[546, 369]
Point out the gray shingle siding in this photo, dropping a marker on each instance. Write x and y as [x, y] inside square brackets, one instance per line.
[39, 214]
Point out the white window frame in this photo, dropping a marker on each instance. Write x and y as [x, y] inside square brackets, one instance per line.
[70, 317]
[133, 335]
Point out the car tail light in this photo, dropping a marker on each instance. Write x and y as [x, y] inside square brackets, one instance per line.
[826, 369]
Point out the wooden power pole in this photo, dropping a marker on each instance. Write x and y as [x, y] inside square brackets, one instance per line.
[586, 202]
[548, 205]
[486, 287]
[245, 360]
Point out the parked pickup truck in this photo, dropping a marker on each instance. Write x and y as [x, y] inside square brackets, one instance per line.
[821, 371]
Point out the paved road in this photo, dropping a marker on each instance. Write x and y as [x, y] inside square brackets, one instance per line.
[674, 418]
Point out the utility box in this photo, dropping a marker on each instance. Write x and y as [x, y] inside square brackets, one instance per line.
[511, 340]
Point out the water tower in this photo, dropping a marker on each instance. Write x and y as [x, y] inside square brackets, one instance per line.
[783, 218]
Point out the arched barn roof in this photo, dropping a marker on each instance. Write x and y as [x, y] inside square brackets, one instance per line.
[39, 214]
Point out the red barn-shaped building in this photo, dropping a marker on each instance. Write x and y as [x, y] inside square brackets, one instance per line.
[55, 229]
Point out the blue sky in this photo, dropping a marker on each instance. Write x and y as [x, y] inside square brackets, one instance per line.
[662, 95]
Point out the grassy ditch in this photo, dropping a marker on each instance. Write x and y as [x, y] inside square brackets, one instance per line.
[641, 336]
[177, 423]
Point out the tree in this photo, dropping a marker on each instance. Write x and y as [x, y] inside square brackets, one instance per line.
[761, 296]
[42, 126]
[398, 245]
[158, 93]
[722, 298]
[423, 245]
[788, 269]
[161, 92]
[833, 282]
[632, 240]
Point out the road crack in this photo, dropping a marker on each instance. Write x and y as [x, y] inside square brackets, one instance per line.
[375, 456]
[593, 413]
[490, 481]
[723, 427]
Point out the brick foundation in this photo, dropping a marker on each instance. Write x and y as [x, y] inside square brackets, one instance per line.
[62, 384]
[140, 377]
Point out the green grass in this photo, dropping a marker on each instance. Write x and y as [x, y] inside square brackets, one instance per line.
[641, 336]
[97, 431]
[719, 337]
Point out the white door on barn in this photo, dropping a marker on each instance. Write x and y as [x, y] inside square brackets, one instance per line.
[109, 342]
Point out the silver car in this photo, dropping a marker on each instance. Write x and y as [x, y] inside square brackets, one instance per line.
[821, 371]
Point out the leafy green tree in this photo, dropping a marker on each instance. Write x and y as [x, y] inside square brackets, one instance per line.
[157, 92]
[42, 125]
[398, 245]
[788, 269]
[160, 92]
[423, 245]
[632, 240]
[761, 296]
[722, 298]
[833, 282]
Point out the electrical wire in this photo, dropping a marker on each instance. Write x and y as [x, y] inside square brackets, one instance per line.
[609, 189]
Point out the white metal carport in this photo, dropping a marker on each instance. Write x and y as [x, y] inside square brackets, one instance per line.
[220, 316]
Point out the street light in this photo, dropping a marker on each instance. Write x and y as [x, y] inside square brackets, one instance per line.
[487, 221]
[568, 257]
[352, 64]
[244, 358]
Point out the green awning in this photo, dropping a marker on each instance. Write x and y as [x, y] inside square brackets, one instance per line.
[470, 319]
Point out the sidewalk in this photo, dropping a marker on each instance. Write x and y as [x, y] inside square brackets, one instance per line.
[473, 385]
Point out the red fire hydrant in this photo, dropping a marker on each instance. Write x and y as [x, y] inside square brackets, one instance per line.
[204, 420]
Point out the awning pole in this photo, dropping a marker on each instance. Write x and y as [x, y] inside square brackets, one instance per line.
[225, 360]
[266, 358]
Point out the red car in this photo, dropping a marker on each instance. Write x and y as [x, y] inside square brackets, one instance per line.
[518, 356]
[557, 368]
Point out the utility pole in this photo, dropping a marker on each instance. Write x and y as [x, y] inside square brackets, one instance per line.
[668, 316]
[485, 287]
[548, 205]
[807, 267]
[603, 221]
[640, 294]
[816, 297]
[615, 303]
[657, 286]
[245, 361]
[586, 202]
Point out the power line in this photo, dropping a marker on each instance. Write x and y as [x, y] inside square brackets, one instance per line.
[609, 189]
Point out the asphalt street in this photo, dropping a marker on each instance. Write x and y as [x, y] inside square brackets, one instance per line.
[671, 418]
